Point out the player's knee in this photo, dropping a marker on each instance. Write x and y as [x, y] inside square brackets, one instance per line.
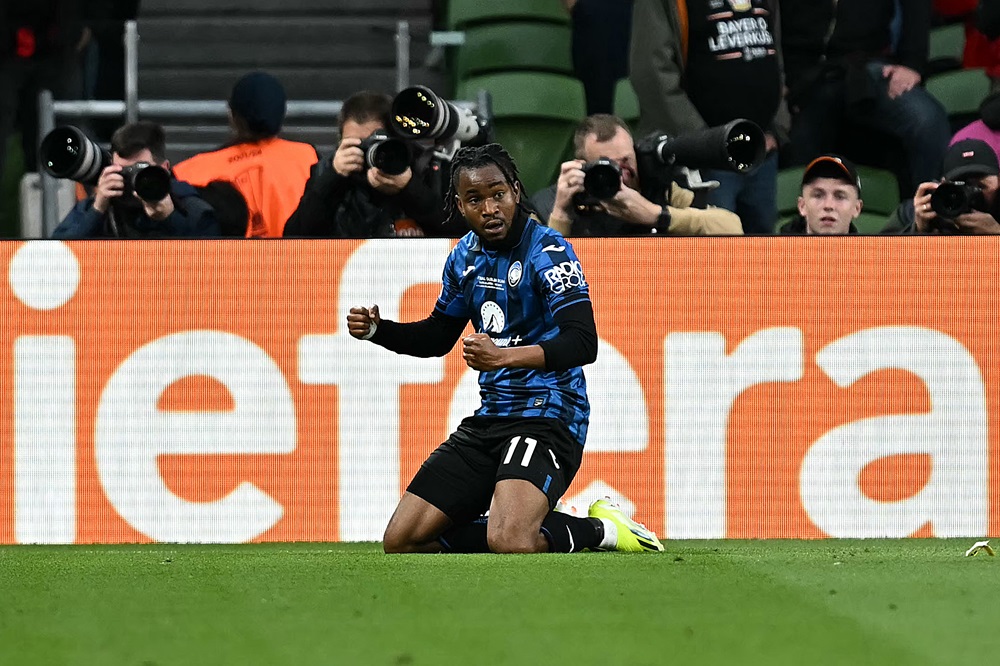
[396, 540]
[511, 539]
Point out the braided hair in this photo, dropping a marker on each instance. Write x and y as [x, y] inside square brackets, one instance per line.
[476, 157]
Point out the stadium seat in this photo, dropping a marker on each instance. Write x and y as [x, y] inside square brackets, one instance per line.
[626, 104]
[871, 223]
[946, 45]
[879, 190]
[502, 47]
[535, 115]
[960, 92]
[789, 187]
[465, 13]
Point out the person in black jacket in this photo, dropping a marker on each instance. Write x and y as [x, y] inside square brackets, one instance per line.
[110, 213]
[344, 199]
[840, 65]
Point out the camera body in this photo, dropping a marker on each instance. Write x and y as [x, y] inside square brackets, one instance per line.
[602, 180]
[385, 153]
[955, 197]
[147, 181]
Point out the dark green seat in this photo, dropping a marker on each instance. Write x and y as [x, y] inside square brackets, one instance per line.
[879, 190]
[535, 115]
[465, 13]
[626, 104]
[960, 92]
[946, 45]
[514, 45]
[789, 188]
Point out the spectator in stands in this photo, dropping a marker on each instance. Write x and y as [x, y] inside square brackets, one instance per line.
[269, 171]
[971, 162]
[629, 213]
[40, 45]
[987, 128]
[708, 66]
[980, 50]
[344, 199]
[600, 43]
[110, 214]
[838, 69]
[830, 199]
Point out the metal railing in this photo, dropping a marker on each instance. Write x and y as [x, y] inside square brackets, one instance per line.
[131, 108]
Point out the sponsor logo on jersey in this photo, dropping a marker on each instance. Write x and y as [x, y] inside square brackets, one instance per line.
[565, 275]
[492, 316]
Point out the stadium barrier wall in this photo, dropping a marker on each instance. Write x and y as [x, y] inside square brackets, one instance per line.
[208, 391]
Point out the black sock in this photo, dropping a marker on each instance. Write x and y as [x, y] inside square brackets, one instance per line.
[569, 534]
[466, 538]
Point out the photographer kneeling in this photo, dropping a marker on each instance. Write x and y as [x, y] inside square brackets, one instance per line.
[370, 188]
[136, 196]
[964, 202]
[627, 212]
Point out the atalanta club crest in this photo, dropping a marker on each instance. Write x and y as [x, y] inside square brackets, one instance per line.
[514, 274]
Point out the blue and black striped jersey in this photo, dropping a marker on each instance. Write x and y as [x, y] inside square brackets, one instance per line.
[511, 295]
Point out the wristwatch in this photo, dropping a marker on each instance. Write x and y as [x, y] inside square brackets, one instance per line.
[662, 225]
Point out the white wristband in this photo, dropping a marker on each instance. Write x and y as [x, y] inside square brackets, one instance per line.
[371, 332]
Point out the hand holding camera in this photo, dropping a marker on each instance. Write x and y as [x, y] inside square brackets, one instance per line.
[570, 183]
[349, 157]
[387, 183]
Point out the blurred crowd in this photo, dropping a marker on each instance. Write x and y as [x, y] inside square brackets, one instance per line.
[830, 85]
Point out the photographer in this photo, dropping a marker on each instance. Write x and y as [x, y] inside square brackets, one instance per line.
[964, 202]
[347, 198]
[116, 211]
[629, 212]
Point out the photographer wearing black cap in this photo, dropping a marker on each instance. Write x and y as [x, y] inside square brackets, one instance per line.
[372, 187]
[136, 196]
[965, 201]
[628, 212]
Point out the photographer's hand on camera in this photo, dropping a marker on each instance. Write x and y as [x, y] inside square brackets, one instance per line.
[924, 217]
[159, 210]
[569, 184]
[630, 206]
[110, 186]
[349, 158]
[389, 184]
[977, 222]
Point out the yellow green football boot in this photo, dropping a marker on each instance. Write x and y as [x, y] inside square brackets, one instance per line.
[629, 536]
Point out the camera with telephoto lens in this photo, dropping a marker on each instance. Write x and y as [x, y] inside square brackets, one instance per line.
[738, 146]
[387, 154]
[953, 198]
[66, 152]
[419, 113]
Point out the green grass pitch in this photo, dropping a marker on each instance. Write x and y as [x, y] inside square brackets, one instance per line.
[806, 603]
